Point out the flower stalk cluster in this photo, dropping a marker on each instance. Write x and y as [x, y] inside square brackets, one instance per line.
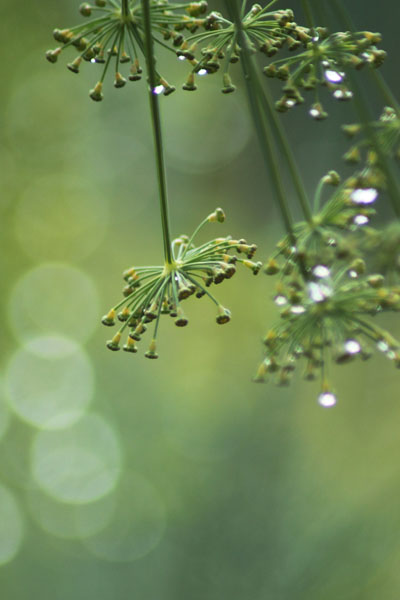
[336, 272]
[328, 315]
[115, 34]
[159, 290]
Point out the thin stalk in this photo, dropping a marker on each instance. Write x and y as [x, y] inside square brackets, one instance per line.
[156, 123]
[125, 8]
[263, 133]
[308, 14]
[385, 90]
[286, 151]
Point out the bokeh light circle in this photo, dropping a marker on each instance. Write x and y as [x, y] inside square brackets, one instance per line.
[77, 465]
[54, 298]
[138, 524]
[70, 521]
[49, 392]
[11, 526]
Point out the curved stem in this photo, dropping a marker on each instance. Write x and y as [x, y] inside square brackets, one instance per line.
[156, 123]
[286, 150]
[308, 14]
[385, 90]
[263, 133]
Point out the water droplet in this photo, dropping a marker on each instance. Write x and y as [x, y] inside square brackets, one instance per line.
[325, 64]
[315, 38]
[319, 292]
[314, 113]
[342, 94]
[352, 346]
[364, 195]
[92, 60]
[280, 300]
[352, 274]
[333, 76]
[382, 346]
[181, 57]
[158, 89]
[297, 309]
[327, 399]
[321, 271]
[202, 72]
[360, 220]
[290, 103]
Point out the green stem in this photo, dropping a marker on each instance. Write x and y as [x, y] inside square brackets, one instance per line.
[125, 8]
[286, 150]
[308, 14]
[385, 90]
[156, 123]
[263, 133]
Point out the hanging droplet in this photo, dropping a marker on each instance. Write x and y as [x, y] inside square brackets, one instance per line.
[319, 292]
[364, 195]
[321, 271]
[93, 60]
[360, 220]
[202, 72]
[158, 89]
[352, 274]
[342, 94]
[352, 347]
[181, 57]
[297, 309]
[333, 76]
[382, 346]
[280, 300]
[327, 399]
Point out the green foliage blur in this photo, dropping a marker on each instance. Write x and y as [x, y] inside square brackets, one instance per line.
[123, 478]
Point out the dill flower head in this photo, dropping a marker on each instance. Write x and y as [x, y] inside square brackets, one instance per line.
[159, 290]
[386, 132]
[327, 294]
[265, 31]
[114, 33]
[328, 318]
[323, 62]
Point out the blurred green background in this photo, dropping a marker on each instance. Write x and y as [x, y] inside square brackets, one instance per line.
[178, 478]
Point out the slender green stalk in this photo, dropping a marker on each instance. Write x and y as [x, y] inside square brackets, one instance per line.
[125, 8]
[263, 133]
[385, 90]
[363, 109]
[308, 14]
[156, 123]
[286, 150]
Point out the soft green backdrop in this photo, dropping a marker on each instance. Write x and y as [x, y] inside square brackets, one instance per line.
[179, 478]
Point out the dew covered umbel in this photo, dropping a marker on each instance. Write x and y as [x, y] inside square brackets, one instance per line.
[113, 37]
[328, 296]
[151, 292]
[322, 62]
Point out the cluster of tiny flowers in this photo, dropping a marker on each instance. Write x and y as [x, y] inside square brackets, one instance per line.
[116, 34]
[323, 62]
[154, 291]
[386, 135]
[265, 31]
[325, 293]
